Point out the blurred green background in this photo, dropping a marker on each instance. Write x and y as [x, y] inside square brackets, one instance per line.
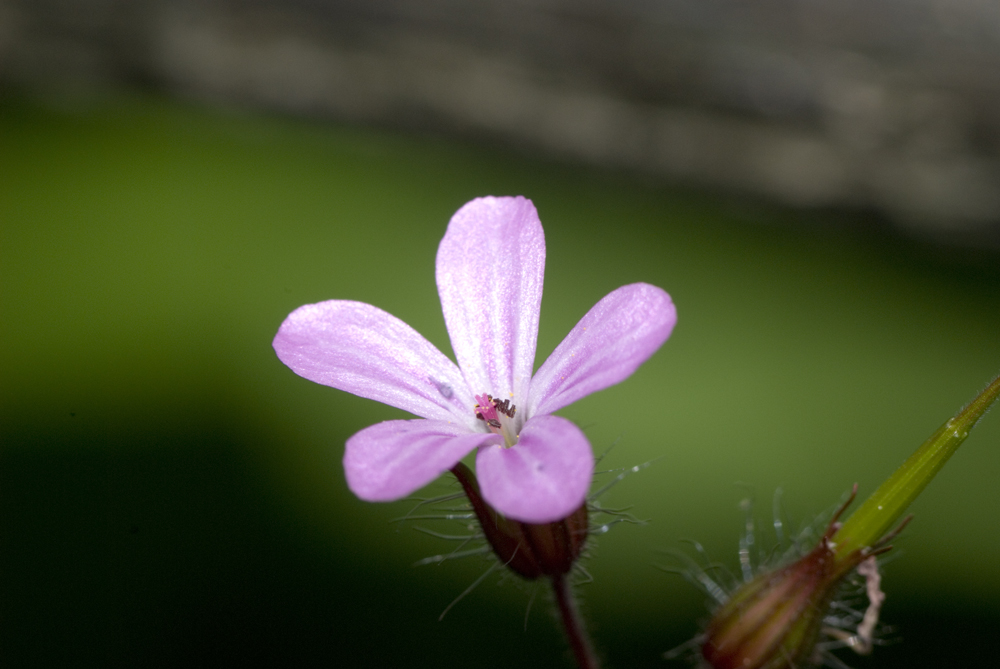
[171, 494]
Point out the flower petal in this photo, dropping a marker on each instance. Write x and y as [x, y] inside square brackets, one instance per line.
[489, 275]
[542, 478]
[609, 343]
[390, 460]
[359, 348]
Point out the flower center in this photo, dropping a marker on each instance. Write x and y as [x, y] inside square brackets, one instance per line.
[498, 416]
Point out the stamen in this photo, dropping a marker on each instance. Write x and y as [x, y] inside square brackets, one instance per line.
[505, 407]
[498, 416]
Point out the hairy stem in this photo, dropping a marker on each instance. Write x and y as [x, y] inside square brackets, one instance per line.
[583, 651]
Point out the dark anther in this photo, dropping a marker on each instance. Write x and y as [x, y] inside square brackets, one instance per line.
[505, 407]
[493, 422]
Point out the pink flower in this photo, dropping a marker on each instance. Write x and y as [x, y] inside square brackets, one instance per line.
[532, 466]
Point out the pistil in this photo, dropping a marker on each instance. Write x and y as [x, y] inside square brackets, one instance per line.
[498, 416]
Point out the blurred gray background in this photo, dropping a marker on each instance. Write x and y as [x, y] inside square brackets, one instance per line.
[884, 105]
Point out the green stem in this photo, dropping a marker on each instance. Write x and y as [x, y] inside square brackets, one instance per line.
[880, 511]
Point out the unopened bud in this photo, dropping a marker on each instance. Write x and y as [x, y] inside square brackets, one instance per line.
[774, 621]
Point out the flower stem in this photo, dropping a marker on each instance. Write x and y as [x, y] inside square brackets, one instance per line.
[583, 651]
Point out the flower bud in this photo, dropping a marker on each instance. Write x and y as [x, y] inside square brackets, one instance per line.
[774, 621]
[530, 550]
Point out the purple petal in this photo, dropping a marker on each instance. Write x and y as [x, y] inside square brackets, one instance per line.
[392, 459]
[361, 349]
[616, 336]
[489, 275]
[542, 478]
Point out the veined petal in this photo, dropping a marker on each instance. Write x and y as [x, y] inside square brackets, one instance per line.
[390, 460]
[542, 478]
[609, 343]
[489, 276]
[359, 348]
